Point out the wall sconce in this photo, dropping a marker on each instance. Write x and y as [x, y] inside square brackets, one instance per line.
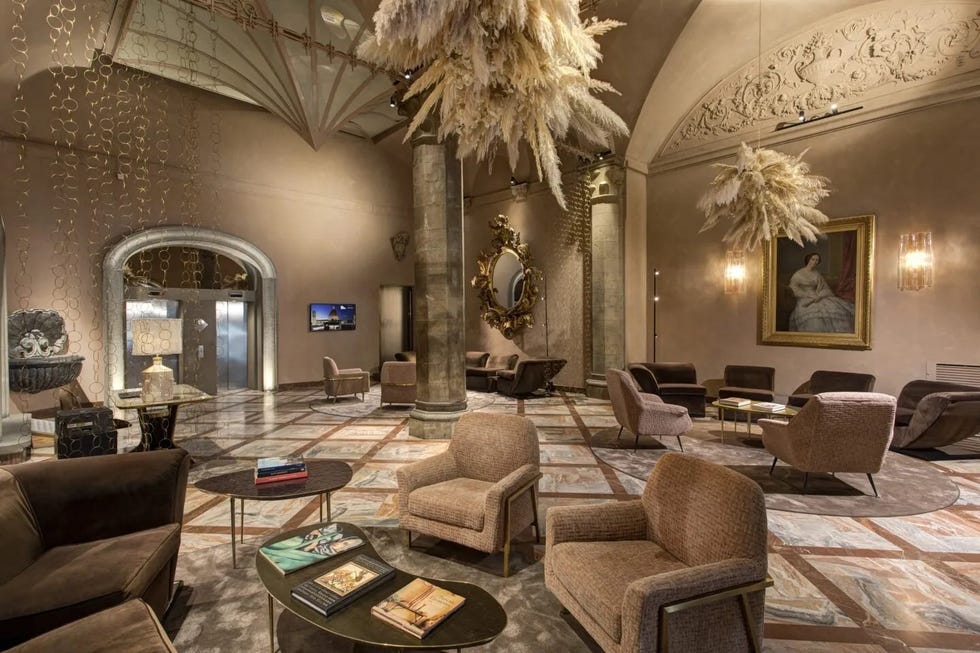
[915, 261]
[734, 272]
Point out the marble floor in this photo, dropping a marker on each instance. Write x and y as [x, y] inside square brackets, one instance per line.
[841, 584]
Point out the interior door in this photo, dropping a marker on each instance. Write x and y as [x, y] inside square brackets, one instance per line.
[396, 320]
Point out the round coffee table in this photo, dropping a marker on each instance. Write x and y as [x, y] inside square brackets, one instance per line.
[325, 476]
[352, 628]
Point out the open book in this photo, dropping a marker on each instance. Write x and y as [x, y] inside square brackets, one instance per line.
[418, 607]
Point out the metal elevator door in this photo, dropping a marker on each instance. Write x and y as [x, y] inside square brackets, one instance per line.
[231, 327]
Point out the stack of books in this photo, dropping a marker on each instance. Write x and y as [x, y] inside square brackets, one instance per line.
[333, 590]
[734, 402]
[270, 470]
[769, 405]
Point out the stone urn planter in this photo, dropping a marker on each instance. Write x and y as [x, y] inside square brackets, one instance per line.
[36, 339]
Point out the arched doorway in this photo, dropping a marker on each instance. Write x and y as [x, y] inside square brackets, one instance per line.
[114, 293]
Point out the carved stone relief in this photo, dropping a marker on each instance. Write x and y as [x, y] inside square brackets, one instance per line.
[855, 56]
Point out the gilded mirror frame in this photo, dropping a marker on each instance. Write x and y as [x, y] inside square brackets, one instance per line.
[509, 321]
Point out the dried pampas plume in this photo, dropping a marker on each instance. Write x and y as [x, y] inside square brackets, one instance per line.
[500, 71]
[765, 192]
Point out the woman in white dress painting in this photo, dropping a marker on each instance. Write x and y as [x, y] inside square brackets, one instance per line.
[818, 309]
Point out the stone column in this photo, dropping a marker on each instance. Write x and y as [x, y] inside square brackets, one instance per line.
[438, 294]
[608, 276]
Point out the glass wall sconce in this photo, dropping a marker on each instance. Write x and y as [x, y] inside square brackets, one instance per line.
[734, 272]
[915, 261]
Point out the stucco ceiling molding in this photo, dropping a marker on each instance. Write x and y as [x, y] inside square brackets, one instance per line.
[880, 54]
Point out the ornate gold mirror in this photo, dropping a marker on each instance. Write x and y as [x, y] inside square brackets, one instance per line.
[505, 281]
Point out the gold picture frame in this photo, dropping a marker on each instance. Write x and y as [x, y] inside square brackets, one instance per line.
[820, 294]
[506, 306]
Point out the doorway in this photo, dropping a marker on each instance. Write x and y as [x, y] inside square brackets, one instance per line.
[396, 321]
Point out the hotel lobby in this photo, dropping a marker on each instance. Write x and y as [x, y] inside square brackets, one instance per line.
[703, 349]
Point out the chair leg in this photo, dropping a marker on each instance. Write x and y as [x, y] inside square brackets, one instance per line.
[620, 434]
[679, 443]
[749, 625]
[872, 481]
[806, 477]
[774, 460]
[636, 441]
[534, 508]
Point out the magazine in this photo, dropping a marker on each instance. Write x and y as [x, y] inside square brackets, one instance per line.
[304, 550]
[769, 405]
[338, 587]
[418, 607]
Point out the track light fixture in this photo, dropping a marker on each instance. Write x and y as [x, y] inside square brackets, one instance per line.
[802, 119]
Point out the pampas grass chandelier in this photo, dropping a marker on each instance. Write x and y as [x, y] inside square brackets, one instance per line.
[499, 72]
[765, 193]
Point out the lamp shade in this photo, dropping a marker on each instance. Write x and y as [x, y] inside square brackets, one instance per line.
[915, 261]
[157, 337]
[734, 272]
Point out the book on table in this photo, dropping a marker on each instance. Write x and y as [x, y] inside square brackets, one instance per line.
[270, 470]
[734, 402]
[769, 405]
[319, 544]
[338, 587]
[418, 607]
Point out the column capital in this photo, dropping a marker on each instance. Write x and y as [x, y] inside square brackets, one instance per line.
[606, 182]
[428, 132]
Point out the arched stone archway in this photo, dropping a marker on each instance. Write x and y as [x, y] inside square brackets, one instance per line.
[216, 241]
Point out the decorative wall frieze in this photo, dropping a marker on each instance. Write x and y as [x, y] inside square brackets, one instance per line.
[867, 54]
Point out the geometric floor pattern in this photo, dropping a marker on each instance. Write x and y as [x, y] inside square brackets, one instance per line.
[849, 585]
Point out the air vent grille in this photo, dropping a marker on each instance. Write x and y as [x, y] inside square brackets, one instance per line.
[955, 372]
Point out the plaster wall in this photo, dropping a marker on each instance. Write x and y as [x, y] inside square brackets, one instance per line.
[916, 172]
[542, 225]
[323, 217]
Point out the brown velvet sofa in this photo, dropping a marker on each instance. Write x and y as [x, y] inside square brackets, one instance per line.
[131, 627]
[84, 534]
[831, 381]
[529, 375]
[935, 414]
[482, 368]
[681, 569]
[750, 382]
[675, 383]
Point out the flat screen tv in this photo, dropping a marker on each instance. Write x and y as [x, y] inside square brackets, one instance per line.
[333, 317]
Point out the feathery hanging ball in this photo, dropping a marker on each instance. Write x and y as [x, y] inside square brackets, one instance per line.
[765, 192]
[500, 72]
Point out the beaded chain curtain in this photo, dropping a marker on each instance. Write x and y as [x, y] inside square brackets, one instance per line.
[116, 151]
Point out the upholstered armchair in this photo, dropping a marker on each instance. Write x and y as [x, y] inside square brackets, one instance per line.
[337, 382]
[482, 377]
[935, 414]
[829, 381]
[642, 413]
[405, 356]
[481, 490]
[85, 534]
[749, 381]
[681, 569]
[398, 383]
[837, 432]
[529, 375]
[675, 383]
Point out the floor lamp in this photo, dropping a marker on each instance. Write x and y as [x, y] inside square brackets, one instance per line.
[656, 300]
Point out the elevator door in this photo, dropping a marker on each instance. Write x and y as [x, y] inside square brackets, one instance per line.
[232, 345]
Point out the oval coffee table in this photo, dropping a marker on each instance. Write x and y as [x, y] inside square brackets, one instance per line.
[325, 476]
[353, 628]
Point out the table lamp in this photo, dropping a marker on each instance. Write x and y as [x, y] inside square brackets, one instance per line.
[157, 337]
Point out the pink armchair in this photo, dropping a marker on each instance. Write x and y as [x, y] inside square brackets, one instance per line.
[644, 414]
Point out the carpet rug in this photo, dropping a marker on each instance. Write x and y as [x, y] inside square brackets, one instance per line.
[905, 486]
[226, 610]
[371, 406]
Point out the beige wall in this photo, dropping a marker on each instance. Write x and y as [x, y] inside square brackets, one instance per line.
[324, 218]
[916, 172]
[541, 224]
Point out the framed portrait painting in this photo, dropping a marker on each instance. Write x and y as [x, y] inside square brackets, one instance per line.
[819, 295]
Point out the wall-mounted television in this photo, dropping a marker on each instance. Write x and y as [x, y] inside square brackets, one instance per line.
[333, 317]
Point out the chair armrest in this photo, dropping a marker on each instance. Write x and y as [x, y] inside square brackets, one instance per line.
[518, 482]
[776, 425]
[428, 471]
[664, 407]
[645, 597]
[618, 520]
[85, 499]
[351, 371]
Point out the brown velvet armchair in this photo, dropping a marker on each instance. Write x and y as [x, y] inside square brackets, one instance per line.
[480, 491]
[529, 375]
[644, 414]
[836, 432]
[831, 381]
[85, 534]
[337, 382]
[398, 383]
[675, 383]
[481, 374]
[681, 569]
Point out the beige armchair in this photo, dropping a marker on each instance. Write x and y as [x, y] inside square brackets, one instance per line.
[398, 385]
[644, 414]
[481, 490]
[681, 569]
[834, 432]
[337, 382]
